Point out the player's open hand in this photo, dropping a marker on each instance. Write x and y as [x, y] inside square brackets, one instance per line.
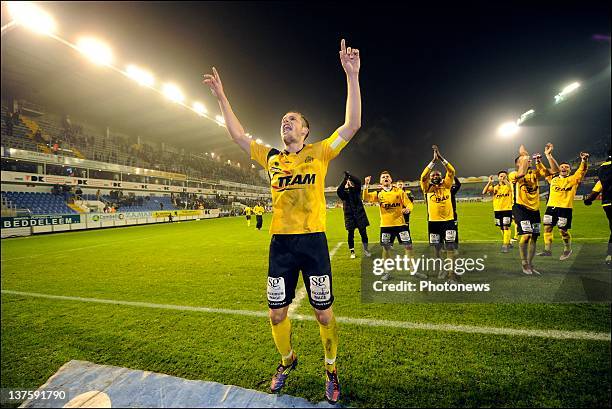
[548, 149]
[349, 58]
[406, 210]
[491, 179]
[523, 151]
[214, 82]
[367, 180]
[584, 155]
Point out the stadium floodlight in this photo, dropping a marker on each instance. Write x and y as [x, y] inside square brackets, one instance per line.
[173, 93]
[252, 166]
[259, 141]
[199, 108]
[32, 17]
[527, 115]
[560, 97]
[507, 129]
[141, 76]
[229, 162]
[220, 120]
[212, 154]
[95, 50]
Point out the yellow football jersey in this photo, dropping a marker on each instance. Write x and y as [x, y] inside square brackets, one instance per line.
[525, 190]
[391, 202]
[258, 210]
[248, 211]
[563, 189]
[502, 197]
[297, 182]
[438, 197]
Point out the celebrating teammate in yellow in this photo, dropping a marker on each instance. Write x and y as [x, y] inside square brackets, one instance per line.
[297, 180]
[394, 204]
[526, 207]
[440, 213]
[560, 204]
[502, 205]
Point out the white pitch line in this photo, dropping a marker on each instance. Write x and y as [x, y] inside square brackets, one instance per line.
[468, 329]
[301, 294]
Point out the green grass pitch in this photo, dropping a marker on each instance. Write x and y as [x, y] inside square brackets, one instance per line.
[222, 264]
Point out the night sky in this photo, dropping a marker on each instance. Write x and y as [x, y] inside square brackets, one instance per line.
[443, 75]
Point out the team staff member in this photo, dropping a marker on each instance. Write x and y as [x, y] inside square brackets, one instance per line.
[355, 217]
[259, 211]
[502, 205]
[440, 213]
[604, 186]
[297, 181]
[526, 207]
[560, 205]
[247, 212]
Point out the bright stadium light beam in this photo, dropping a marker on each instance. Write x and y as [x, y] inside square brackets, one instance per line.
[220, 120]
[560, 97]
[527, 115]
[508, 129]
[199, 108]
[95, 50]
[173, 93]
[31, 16]
[141, 76]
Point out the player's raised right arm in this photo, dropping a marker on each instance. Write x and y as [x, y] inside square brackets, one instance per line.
[232, 124]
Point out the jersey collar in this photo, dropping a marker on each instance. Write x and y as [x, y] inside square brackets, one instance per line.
[286, 152]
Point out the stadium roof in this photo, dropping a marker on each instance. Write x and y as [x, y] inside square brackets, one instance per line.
[42, 70]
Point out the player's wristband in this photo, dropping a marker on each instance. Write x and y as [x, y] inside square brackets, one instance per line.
[431, 165]
[445, 162]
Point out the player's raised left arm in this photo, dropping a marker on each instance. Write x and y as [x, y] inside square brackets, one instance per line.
[351, 62]
[582, 169]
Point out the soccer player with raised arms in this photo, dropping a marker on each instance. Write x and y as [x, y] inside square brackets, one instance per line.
[394, 204]
[560, 205]
[297, 181]
[440, 212]
[502, 205]
[526, 197]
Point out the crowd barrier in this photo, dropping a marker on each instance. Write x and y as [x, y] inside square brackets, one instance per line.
[28, 225]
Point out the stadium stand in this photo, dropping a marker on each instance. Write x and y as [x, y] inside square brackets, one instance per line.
[39, 203]
[81, 140]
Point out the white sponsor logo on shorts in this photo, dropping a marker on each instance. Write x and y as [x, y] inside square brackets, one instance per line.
[320, 289]
[434, 238]
[547, 219]
[385, 237]
[562, 222]
[451, 235]
[536, 228]
[497, 222]
[404, 235]
[276, 289]
[526, 226]
[506, 221]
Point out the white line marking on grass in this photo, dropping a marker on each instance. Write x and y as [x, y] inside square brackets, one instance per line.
[468, 329]
[301, 294]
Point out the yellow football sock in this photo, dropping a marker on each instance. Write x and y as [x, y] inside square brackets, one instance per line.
[548, 239]
[516, 235]
[506, 234]
[281, 333]
[329, 336]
